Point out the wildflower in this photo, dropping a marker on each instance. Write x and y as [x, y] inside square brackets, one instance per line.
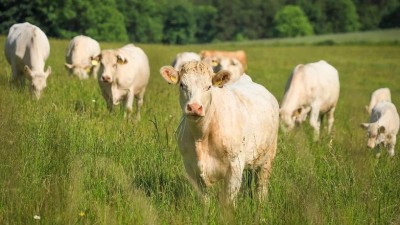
[82, 214]
[93, 100]
[36, 217]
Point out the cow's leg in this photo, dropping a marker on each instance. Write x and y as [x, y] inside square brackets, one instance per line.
[139, 103]
[128, 103]
[331, 119]
[233, 181]
[264, 173]
[314, 121]
[391, 145]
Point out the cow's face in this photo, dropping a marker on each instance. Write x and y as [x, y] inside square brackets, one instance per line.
[375, 134]
[109, 61]
[80, 71]
[38, 80]
[196, 81]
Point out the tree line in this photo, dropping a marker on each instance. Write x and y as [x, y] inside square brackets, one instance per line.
[198, 21]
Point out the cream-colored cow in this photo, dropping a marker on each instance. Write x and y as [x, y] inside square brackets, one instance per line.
[123, 76]
[184, 57]
[383, 126]
[312, 88]
[239, 55]
[80, 52]
[224, 128]
[233, 65]
[27, 49]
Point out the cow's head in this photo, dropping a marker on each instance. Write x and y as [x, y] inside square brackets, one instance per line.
[82, 71]
[233, 65]
[109, 61]
[291, 118]
[196, 81]
[38, 80]
[376, 134]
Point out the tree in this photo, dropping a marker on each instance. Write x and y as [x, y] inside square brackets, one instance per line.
[179, 24]
[291, 21]
[206, 29]
[341, 16]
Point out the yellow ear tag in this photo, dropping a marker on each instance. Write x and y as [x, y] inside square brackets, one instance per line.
[218, 83]
[214, 64]
[173, 79]
[94, 62]
[87, 70]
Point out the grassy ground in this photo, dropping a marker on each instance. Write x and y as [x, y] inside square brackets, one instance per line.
[67, 160]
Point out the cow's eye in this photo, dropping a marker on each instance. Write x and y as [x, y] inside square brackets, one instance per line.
[208, 88]
[182, 86]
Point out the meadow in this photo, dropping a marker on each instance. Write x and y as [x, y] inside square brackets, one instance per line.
[66, 160]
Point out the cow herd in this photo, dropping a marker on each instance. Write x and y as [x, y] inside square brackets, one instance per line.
[229, 123]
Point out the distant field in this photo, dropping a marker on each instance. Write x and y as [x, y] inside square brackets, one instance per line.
[388, 36]
[67, 160]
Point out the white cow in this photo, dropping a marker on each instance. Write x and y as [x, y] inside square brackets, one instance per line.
[313, 88]
[383, 126]
[233, 65]
[80, 52]
[381, 94]
[27, 49]
[224, 129]
[184, 57]
[123, 75]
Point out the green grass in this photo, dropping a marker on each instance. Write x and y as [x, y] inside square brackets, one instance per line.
[65, 154]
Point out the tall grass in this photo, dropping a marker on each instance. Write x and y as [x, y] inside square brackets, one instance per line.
[67, 160]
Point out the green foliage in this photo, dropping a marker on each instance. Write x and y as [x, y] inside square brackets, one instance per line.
[291, 21]
[341, 16]
[206, 19]
[179, 24]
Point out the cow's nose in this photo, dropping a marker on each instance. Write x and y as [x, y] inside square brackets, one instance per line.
[106, 79]
[195, 109]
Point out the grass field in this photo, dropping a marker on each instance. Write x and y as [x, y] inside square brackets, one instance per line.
[67, 160]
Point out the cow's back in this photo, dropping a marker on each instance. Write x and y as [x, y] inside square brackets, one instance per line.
[25, 37]
[137, 71]
[80, 49]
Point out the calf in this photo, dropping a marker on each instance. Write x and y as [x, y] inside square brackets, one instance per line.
[381, 94]
[383, 126]
[224, 129]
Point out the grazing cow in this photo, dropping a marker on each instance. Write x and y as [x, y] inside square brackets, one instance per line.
[184, 57]
[224, 129]
[381, 94]
[27, 49]
[123, 75]
[80, 52]
[223, 63]
[313, 88]
[239, 55]
[383, 126]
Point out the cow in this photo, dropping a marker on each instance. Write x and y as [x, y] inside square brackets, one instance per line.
[233, 65]
[239, 55]
[383, 127]
[381, 94]
[311, 88]
[123, 76]
[184, 57]
[224, 129]
[79, 56]
[27, 49]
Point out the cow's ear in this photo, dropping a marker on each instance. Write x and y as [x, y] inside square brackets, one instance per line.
[381, 130]
[68, 66]
[95, 60]
[169, 74]
[121, 60]
[297, 112]
[27, 71]
[364, 126]
[221, 78]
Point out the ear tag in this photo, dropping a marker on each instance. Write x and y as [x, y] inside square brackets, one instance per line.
[87, 70]
[173, 79]
[214, 64]
[94, 62]
[218, 83]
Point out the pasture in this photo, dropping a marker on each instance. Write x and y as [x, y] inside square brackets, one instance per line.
[66, 160]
